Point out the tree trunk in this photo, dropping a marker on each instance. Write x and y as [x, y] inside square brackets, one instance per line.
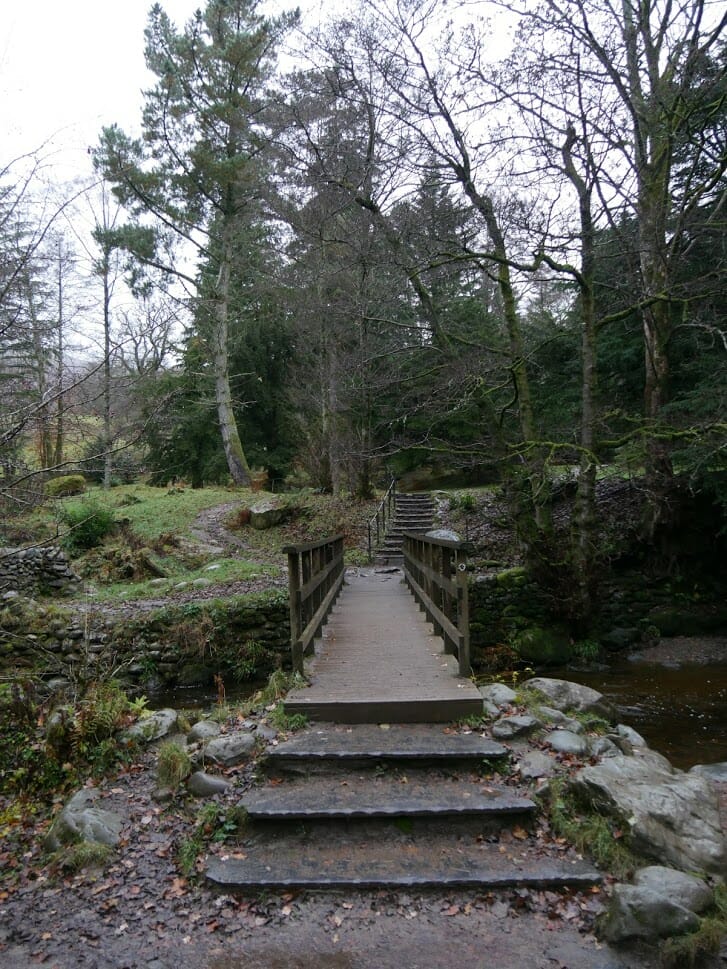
[236, 460]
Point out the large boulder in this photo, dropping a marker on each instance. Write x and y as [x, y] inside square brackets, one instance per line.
[673, 817]
[661, 902]
[153, 727]
[229, 750]
[81, 821]
[564, 695]
[268, 513]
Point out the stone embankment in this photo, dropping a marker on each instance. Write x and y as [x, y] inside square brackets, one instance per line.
[44, 570]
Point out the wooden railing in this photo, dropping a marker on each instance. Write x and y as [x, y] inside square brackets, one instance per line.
[435, 570]
[384, 514]
[315, 577]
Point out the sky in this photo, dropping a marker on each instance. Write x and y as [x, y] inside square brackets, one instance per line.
[69, 67]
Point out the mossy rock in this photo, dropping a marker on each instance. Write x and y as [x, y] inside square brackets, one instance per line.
[512, 577]
[543, 647]
[65, 485]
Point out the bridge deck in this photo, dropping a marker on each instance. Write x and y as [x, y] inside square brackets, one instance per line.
[380, 661]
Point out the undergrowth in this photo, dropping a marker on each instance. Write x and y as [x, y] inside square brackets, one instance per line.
[214, 825]
[590, 833]
[689, 951]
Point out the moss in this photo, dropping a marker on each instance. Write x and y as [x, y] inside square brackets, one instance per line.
[543, 647]
[512, 577]
[65, 486]
[84, 854]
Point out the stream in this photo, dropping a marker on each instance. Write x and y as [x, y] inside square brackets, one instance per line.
[680, 710]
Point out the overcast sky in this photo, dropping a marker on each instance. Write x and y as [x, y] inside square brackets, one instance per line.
[68, 67]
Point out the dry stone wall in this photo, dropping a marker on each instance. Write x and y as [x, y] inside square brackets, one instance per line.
[37, 571]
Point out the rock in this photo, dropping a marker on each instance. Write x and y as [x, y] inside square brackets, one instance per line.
[559, 719]
[536, 764]
[204, 730]
[628, 733]
[156, 725]
[543, 647]
[490, 710]
[619, 637]
[660, 903]
[268, 513]
[672, 817]
[498, 694]
[603, 747]
[230, 749]
[564, 695]
[266, 732]
[446, 534]
[567, 742]
[205, 785]
[507, 728]
[80, 821]
[714, 772]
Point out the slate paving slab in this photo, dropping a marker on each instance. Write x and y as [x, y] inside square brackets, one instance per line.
[373, 864]
[339, 744]
[381, 797]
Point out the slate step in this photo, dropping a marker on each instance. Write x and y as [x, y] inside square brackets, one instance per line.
[419, 710]
[375, 798]
[339, 746]
[306, 865]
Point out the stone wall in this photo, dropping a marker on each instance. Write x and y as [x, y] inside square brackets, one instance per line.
[37, 571]
[239, 638]
[633, 609]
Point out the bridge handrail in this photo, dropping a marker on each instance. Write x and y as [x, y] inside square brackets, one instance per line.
[315, 577]
[383, 513]
[435, 569]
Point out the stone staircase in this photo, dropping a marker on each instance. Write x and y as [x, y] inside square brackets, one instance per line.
[409, 806]
[412, 513]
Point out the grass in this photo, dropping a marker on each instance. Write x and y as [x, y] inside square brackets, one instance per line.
[691, 950]
[153, 512]
[221, 571]
[590, 833]
[173, 765]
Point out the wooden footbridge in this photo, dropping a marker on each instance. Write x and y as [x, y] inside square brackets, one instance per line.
[376, 792]
[394, 644]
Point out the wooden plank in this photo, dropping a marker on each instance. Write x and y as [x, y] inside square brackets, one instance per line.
[320, 577]
[443, 621]
[378, 660]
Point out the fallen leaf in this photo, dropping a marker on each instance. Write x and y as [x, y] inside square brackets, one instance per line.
[452, 910]
[519, 833]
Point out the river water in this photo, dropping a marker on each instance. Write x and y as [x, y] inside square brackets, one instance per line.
[680, 710]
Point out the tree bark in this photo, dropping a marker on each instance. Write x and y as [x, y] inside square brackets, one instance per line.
[234, 453]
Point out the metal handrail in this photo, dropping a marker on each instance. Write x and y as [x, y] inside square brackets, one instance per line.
[435, 569]
[315, 577]
[379, 520]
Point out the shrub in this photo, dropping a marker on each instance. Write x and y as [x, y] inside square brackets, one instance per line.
[88, 523]
[174, 765]
[66, 485]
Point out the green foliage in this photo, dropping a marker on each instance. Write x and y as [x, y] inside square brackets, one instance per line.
[692, 950]
[253, 656]
[88, 523]
[173, 765]
[85, 854]
[214, 823]
[287, 723]
[586, 649]
[46, 749]
[590, 833]
[66, 485]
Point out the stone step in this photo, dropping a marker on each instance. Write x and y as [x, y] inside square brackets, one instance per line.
[406, 865]
[341, 746]
[415, 710]
[382, 796]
